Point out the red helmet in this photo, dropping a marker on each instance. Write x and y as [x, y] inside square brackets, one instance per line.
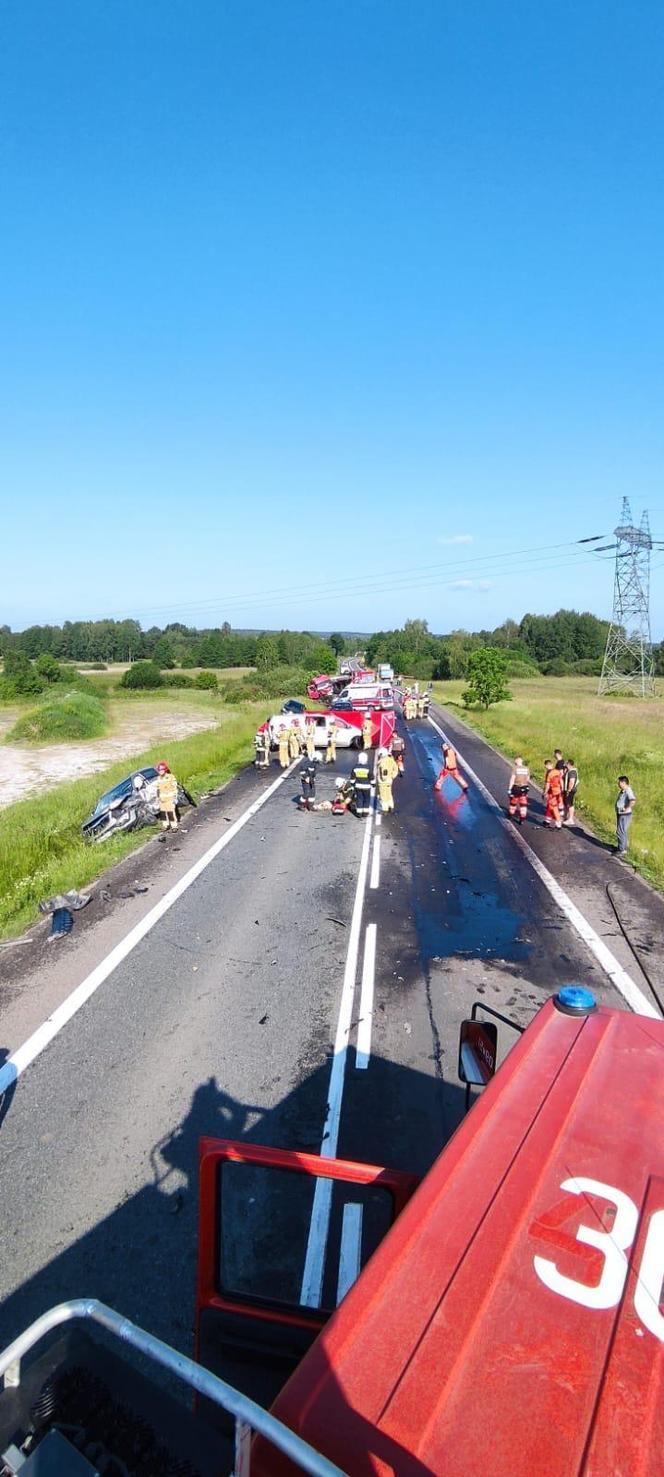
[162, 767]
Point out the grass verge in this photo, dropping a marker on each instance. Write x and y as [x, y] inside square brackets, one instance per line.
[606, 737]
[61, 719]
[41, 848]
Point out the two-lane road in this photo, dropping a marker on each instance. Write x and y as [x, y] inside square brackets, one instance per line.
[255, 1009]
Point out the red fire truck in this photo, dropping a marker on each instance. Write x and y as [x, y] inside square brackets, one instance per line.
[510, 1322]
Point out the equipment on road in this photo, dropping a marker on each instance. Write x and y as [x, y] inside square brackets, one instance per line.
[509, 1322]
[132, 803]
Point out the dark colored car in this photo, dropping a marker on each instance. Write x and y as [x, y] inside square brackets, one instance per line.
[292, 705]
[130, 804]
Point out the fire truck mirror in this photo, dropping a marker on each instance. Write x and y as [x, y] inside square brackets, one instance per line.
[478, 1050]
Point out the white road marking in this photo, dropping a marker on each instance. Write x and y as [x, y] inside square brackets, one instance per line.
[314, 1264]
[363, 1051]
[42, 1037]
[374, 880]
[378, 817]
[350, 1255]
[607, 961]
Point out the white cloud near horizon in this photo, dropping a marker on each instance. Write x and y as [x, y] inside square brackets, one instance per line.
[469, 585]
[457, 538]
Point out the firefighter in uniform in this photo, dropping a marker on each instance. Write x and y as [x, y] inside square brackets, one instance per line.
[294, 741]
[398, 751]
[262, 747]
[283, 738]
[308, 782]
[409, 708]
[167, 795]
[310, 738]
[360, 777]
[518, 790]
[553, 795]
[386, 773]
[331, 750]
[367, 732]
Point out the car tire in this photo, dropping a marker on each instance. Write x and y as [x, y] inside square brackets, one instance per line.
[356, 743]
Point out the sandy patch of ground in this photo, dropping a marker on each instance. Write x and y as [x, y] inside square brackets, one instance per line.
[23, 771]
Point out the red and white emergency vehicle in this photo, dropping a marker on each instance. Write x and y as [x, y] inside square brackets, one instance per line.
[348, 726]
[509, 1323]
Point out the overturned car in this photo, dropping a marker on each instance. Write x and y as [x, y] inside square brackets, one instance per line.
[129, 805]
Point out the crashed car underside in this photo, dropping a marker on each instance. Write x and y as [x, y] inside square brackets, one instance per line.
[129, 805]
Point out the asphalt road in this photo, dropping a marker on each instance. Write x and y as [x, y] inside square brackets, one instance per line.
[222, 1021]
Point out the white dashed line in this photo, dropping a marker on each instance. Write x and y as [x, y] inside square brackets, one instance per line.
[607, 961]
[363, 1052]
[314, 1265]
[374, 880]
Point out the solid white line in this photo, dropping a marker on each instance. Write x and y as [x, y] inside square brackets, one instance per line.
[350, 1254]
[363, 1051]
[378, 818]
[41, 1038]
[607, 961]
[312, 1277]
[374, 879]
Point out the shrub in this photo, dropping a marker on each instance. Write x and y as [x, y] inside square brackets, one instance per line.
[141, 674]
[74, 715]
[207, 681]
[20, 678]
[518, 668]
[177, 679]
[48, 668]
[97, 667]
[556, 667]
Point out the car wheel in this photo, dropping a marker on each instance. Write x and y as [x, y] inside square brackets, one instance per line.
[356, 743]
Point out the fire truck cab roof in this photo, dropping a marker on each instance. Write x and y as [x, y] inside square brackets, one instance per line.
[511, 1320]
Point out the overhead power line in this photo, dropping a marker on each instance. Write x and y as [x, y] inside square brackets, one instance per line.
[479, 566]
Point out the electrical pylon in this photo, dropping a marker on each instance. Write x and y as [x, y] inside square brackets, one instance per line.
[628, 664]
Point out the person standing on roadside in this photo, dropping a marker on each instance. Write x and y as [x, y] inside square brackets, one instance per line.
[331, 750]
[167, 795]
[553, 795]
[283, 742]
[294, 747]
[558, 761]
[570, 786]
[625, 802]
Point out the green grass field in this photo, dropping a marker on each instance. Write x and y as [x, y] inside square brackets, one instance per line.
[41, 848]
[605, 736]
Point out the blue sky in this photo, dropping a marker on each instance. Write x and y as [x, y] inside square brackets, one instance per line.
[295, 295]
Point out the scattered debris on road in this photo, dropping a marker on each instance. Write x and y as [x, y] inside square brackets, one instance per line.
[73, 900]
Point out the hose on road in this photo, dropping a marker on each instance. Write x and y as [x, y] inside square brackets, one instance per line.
[628, 941]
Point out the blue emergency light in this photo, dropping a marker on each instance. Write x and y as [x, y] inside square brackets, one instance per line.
[575, 1000]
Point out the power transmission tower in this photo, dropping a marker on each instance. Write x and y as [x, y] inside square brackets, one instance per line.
[628, 660]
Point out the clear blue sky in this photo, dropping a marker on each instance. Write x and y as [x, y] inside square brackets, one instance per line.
[294, 292]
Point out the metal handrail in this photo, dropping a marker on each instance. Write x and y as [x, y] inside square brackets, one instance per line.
[245, 1410]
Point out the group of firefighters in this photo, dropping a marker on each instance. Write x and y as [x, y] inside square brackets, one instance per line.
[415, 704]
[296, 740]
[561, 780]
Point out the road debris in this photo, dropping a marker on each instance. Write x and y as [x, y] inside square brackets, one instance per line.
[72, 900]
[62, 923]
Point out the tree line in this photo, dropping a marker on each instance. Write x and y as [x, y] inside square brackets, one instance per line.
[568, 641]
[174, 645]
